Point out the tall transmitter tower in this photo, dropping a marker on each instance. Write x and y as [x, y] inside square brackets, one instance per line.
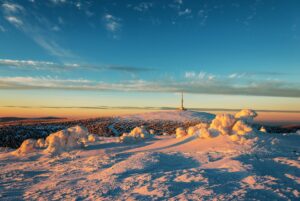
[182, 107]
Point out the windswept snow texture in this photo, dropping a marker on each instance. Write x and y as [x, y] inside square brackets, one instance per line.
[173, 115]
[264, 166]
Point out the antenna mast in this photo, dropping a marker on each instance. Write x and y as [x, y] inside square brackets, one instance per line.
[182, 107]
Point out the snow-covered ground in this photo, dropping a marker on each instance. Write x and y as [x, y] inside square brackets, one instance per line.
[172, 115]
[204, 163]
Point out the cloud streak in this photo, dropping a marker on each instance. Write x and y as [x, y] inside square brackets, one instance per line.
[58, 67]
[36, 27]
[262, 88]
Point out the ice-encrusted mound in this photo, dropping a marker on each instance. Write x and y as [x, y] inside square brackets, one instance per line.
[27, 146]
[180, 132]
[64, 140]
[67, 139]
[241, 128]
[263, 129]
[136, 134]
[246, 115]
[192, 130]
[223, 124]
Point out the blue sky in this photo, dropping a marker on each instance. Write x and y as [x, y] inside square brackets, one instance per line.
[214, 47]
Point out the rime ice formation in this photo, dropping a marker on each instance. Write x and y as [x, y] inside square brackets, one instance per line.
[180, 132]
[27, 146]
[136, 134]
[246, 115]
[223, 124]
[64, 140]
[263, 129]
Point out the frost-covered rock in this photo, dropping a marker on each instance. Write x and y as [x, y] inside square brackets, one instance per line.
[180, 132]
[27, 146]
[223, 123]
[246, 115]
[136, 134]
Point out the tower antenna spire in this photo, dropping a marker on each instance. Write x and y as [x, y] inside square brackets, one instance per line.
[182, 107]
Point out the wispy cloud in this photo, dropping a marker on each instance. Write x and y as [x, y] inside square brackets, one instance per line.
[14, 20]
[201, 75]
[215, 86]
[58, 1]
[112, 24]
[236, 75]
[12, 8]
[36, 27]
[57, 67]
[186, 11]
[178, 1]
[143, 6]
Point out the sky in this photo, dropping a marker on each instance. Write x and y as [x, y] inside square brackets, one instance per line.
[84, 53]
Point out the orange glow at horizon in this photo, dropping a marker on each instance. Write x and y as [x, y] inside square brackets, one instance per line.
[92, 113]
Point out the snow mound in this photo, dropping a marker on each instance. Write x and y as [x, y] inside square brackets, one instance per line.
[223, 124]
[136, 134]
[67, 139]
[64, 140]
[180, 132]
[263, 129]
[241, 128]
[246, 115]
[172, 115]
[27, 146]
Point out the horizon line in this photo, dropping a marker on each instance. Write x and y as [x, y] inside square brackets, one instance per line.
[146, 108]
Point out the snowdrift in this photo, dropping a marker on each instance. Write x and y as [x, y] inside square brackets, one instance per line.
[64, 140]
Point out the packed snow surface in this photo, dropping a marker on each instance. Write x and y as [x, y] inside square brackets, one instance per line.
[226, 159]
[172, 115]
